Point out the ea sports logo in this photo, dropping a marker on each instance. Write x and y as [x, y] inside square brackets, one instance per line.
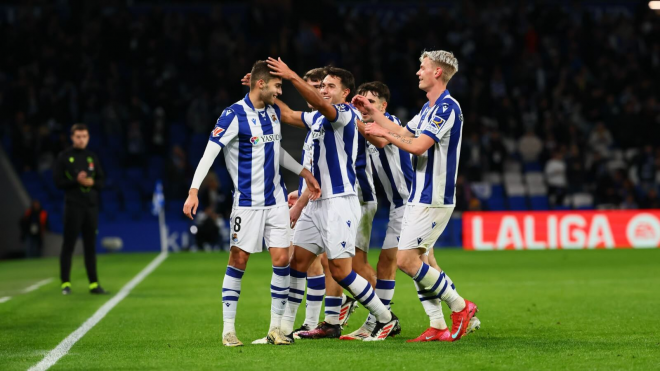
[643, 231]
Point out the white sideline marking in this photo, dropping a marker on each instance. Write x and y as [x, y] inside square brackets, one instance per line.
[36, 285]
[63, 348]
[5, 299]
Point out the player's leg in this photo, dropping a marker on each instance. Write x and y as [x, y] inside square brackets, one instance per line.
[277, 236]
[89, 229]
[246, 227]
[315, 295]
[421, 228]
[363, 240]
[73, 219]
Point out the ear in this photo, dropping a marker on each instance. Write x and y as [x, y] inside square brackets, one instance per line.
[384, 106]
[345, 93]
[438, 72]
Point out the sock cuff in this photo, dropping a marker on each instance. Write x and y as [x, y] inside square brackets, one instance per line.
[348, 279]
[294, 273]
[234, 272]
[421, 273]
[332, 301]
[65, 285]
[316, 283]
[281, 271]
[385, 284]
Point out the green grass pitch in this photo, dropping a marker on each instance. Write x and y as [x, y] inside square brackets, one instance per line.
[539, 310]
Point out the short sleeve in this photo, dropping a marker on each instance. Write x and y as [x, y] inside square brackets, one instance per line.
[226, 128]
[413, 124]
[308, 118]
[439, 124]
[344, 115]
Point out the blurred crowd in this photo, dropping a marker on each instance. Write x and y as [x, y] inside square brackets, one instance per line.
[559, 87]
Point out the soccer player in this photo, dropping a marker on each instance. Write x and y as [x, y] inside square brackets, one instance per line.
[249, 131]
[434, 137]
[329, 224]
[393, 168]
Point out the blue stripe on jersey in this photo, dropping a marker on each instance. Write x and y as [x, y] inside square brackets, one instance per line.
[244, 158]
[406, 167]
[361, 170]
[427, 191]
[302, 162]
[332, 159]
[349, 135]
[396, 197]
[452, 154]
[413, 187]
[317, 154]
[269, 162]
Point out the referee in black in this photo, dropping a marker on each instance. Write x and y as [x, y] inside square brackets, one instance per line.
[78, 173]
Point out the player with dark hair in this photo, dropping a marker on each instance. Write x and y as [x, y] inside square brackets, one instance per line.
[249, 132]
[329, 224]
[78, 173]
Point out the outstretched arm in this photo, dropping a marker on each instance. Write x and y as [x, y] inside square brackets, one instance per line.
[379, 142]
[308, 92]
[416, 146]
[364, 106]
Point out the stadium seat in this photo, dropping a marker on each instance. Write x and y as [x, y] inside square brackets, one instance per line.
[517, 203]
[583, 201]
[495, 204]
[539, 203]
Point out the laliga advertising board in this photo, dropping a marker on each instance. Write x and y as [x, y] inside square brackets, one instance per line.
[561, 230]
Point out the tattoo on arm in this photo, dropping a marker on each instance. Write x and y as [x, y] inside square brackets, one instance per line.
[402, 139]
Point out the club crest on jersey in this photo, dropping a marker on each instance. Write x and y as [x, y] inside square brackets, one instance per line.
[217, 131]
[234, 237]
[274, 117]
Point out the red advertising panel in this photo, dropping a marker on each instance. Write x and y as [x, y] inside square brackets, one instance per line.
[561, 230]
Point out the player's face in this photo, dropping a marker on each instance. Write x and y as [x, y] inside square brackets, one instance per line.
[271, 90]
[333, 90]
[317, 86]
[80, 138]
[426, 74]
[378, 103]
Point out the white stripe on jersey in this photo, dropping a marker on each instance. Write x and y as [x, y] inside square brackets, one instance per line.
[335, 150]
[434, 182]
[251, 140]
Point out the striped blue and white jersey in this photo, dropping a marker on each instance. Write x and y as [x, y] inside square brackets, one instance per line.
[306, 160]
[251, 145]
[393, 167]
[365, 186]
[334, 147]
[434, 182]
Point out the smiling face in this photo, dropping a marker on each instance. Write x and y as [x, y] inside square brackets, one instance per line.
[378, 103]
[428, 74]
[270, 90]
[333, 90]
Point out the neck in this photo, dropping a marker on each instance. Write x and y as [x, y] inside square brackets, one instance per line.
[435, 93]
[256, 101]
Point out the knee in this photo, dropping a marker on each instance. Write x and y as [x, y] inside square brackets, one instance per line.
[405, 263]
[280, 260]
[238, 258]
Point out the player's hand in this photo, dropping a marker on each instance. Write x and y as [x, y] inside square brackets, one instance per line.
[246, 79]
[190, 206]
[294, 214]
[312, 184]
[292, 198]
[279, 68]
[87, 182]
[374, 129]
[81, 177]
[363, 105]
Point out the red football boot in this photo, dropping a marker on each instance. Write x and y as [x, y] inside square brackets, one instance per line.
[432, 334]
[460, 320]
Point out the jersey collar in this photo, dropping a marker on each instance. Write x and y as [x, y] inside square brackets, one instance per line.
[249, 102]
[441, 97]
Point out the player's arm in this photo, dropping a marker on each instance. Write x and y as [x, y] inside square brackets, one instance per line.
[297, 208]
[416, 146]
[364, 106]
[308, 92]
[289, 163]
[290, 116]
[225, 130]
[210, 153]
[379, 142]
